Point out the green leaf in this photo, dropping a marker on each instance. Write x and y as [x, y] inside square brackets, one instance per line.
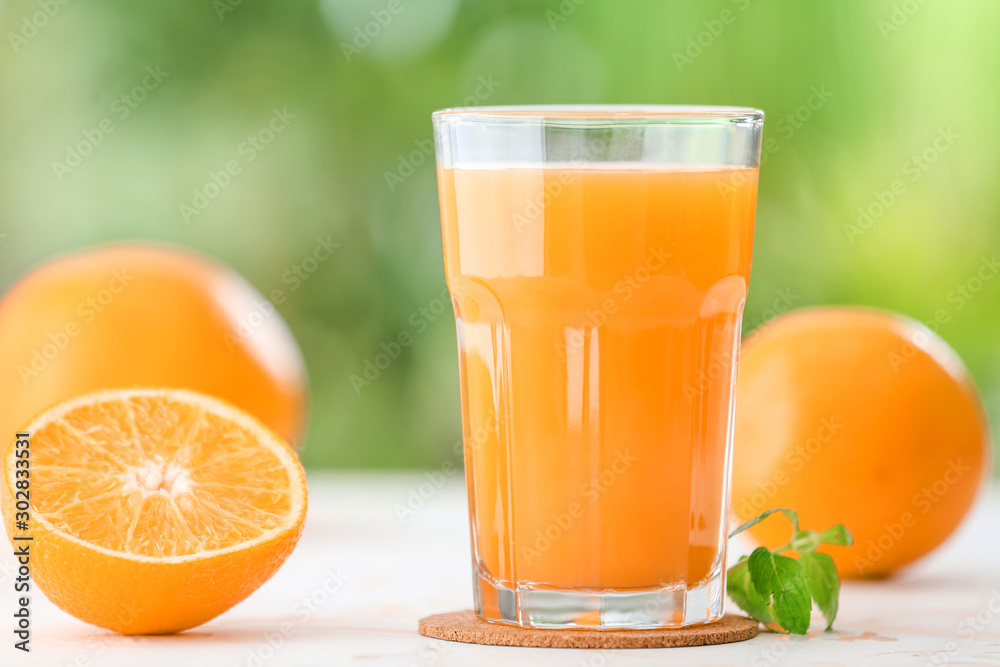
[741, 590]
[761, 566]
[778, 590]
[782, 581]
[792, 516]
[838, 535]
[824, 584]
[803, 541]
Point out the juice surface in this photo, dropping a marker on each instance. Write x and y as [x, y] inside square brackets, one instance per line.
[598, 315]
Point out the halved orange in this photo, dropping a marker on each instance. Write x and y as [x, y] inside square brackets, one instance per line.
[153, 510]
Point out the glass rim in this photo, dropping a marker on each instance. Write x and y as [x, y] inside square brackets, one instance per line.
[602, 114]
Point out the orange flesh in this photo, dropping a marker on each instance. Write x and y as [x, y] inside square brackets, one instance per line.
[148, 476]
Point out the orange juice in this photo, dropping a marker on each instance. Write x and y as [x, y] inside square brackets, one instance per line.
[599, 312]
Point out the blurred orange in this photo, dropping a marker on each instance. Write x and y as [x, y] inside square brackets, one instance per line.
[856, 416]
[128, 315]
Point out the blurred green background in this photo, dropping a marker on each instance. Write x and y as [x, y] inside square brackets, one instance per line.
[856, 92]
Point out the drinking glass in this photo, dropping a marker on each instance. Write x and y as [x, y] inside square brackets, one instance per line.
[597, 259]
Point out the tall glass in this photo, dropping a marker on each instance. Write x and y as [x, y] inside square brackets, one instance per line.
[598, 259]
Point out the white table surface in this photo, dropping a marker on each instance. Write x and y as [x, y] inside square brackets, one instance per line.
[385, 574]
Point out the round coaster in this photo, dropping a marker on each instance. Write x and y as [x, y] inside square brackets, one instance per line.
[466, 627]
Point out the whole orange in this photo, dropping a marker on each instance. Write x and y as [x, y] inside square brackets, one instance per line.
[862, 417]
[131, 314]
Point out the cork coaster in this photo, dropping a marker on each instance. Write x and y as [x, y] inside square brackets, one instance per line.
[466, 627]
